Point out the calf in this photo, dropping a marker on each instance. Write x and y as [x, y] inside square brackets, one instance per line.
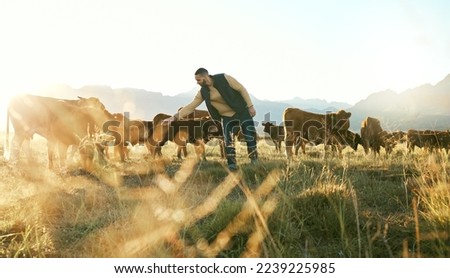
[276, 134]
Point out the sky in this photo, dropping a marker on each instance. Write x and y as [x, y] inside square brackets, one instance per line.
[333, 50]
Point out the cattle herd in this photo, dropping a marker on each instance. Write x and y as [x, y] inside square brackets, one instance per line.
[87, 125]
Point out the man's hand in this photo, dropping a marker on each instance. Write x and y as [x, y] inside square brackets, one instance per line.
[169, 120]
[252, 111]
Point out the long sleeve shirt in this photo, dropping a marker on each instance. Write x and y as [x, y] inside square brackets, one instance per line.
[216, 100]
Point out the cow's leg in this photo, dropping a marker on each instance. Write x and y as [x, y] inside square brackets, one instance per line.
[72, 149]
[101, 155]
[125, 153]
[297, 147]
[180, 148]
[16, 145]
[337, 149]
[154, 150]
[120, 152]
[200, 149]
[378, 148]
[27, 149]
[299, 143]
[276, 144]
[289, 140]
[20, 142]
[366, 147]
[103, 149]
[51, 152]
[184, 149]
[62, 151]
[158, 149]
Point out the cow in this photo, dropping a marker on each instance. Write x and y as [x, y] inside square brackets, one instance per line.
[428, 139]
[337, 140]
[399, 136]
[61, 122]
[197, 114]
[374, 137]
[128, 132]
[276, 133]
[350, 139]
[297, 122]
[371, 132]
[390, 139]
[181, 132]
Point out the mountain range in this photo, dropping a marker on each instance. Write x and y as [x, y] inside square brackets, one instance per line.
[423, 107]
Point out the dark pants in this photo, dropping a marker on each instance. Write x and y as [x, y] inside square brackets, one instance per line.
[231, 126]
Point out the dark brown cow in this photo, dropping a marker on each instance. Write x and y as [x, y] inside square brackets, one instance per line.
[297, 123]
[430, 140]
[158, 137]
[399, 136]
[374, 137]
[371, 135]
[276, 133]
[337, 140]
[61, 122]
[390, 139]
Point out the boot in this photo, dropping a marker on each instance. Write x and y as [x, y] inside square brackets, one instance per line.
[231, 158]
[254, 157]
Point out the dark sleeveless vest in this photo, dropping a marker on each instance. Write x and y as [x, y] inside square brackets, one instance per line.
[232, 97]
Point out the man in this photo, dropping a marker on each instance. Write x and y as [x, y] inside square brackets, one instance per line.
[229, 102]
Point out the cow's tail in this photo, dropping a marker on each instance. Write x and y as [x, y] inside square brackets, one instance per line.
[6, 147]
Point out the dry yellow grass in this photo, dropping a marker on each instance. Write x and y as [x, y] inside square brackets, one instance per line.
[390, 207]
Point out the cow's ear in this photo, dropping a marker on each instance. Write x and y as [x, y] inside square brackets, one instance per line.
[81, 97]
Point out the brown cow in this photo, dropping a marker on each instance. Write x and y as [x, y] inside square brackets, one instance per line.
[61, 122]
[297, 123]
[181, 132]
[128, 132]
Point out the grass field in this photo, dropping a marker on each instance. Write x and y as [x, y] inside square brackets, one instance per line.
[315, 206]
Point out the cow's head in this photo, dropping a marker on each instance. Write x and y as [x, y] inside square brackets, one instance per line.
[357, 140]
[267, 126]
[211, 129]
[91, 102]
[339, 121]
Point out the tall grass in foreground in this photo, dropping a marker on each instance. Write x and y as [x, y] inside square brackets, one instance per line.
[356, 206]
[431, 205]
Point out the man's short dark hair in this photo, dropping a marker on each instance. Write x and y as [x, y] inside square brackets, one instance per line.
[201, 71]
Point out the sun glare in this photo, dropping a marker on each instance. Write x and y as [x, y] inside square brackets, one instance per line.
[7, 91]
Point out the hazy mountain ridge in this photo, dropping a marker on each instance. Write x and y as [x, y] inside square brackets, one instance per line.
[423, 107]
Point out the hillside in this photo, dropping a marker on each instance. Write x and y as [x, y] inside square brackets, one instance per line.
[144, 104]
[423, 107]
